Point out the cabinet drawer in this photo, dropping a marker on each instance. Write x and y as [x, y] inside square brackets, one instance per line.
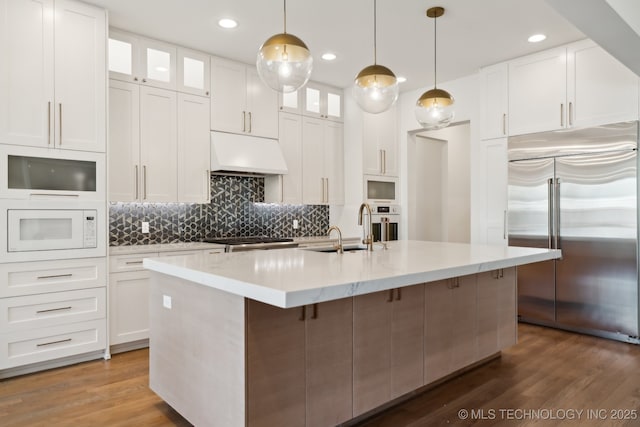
[39, 345]
[131, 262]
[57, 308]
[29, 278]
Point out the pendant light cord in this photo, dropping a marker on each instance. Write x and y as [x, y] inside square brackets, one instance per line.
[285, 16]
[435, 51]
[375, 36]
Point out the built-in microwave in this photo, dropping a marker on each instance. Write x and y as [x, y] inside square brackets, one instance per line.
[40, 173]
[45, 230]
[381, 189]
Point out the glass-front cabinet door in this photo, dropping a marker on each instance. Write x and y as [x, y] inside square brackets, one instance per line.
[193, 72]
[322, 101]
[123, 56]
[158, 64]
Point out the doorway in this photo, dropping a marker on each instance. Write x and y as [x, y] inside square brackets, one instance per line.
[439, 184]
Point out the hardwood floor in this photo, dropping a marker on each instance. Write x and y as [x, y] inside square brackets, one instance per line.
[548, 377]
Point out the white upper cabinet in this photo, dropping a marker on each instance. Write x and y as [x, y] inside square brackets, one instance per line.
[322, 101]
[52, 74]
[494, 101]
[380, 148]
[537, 92]
[193, 149]
[287, 188]
[193, 72]
[240, 102]
[600, 89]
[291, 102]
[158, 64]
[574, 86]
[124, 56]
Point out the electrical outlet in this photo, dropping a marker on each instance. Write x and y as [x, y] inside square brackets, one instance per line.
[166, 301]
[295, 224]
[145, 227]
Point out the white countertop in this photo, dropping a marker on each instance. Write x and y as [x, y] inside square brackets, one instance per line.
[295, 277]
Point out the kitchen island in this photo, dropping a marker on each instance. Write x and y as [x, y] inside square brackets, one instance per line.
[299, 337]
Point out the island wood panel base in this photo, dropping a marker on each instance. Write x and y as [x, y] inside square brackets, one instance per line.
[221, 360]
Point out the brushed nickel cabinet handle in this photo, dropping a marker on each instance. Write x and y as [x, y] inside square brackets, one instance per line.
[561, 115]
[60, 123]
[390, 295]
[53, 309]
[137, 182]
[53, 342]
[303, 313]
[208, 178]
[133, 262]
[384, 163]
[504, 124]
[144, 177]
[570, 114]
[49, 123]
[250, 122]
[53, 195]
[314, 315]
[244, 121]
[281, 189]
[504, 225]
[54, 276]
[381, 162]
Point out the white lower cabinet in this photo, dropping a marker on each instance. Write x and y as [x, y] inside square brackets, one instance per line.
[51, 310]
[129, 298]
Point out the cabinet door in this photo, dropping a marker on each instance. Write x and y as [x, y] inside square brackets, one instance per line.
[228, 96]
[537, 92]
[334, 162]
[497, 315]
[158, 64]
[262, 107]
[312, 100]
[276, 385]
[193, 149]
[288, 188]
[493, 155]
[124, 56]
[313, 179]
[329, 362]
[380, 156]
[128, 307]
[290, 102]
[372, 153]
[158, 145]
[464, 325]
[124, 141]
[333, 100]
[371, 350]
[193, 72]
[80, 76]
[494, 100]
[438, 338]
[600, 89]
[26, 72]
[407, 340]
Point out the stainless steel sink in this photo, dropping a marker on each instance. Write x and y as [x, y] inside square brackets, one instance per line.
[330, 249]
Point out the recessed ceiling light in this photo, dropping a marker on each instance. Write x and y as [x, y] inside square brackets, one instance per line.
[536, 38]
[328, 56]
[227, 23]
[401, 79]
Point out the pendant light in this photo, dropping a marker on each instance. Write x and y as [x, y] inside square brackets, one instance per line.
[434, 109]
[375, 87]
[284, 62]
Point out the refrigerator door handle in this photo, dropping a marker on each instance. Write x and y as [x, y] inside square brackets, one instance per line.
[557, 214]
[551, 214]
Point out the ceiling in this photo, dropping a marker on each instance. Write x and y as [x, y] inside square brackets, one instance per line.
[471, 34]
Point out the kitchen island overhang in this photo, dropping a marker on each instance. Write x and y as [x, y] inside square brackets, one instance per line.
[289, 278]
[296, 337]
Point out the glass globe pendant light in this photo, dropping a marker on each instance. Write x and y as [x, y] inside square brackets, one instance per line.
[375, 88]
[434, 109]
[284, 62]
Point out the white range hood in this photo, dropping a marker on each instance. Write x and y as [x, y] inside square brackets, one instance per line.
[232, 153]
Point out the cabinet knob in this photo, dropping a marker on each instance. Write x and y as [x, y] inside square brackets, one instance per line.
[144, 80]
[135, 79]
[207, 93]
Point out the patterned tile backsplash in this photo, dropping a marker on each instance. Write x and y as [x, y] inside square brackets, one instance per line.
[236, 209]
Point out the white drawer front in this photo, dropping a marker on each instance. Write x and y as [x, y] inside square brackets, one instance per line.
[57, 308]
[121, 263]
[39, 345]
[29, 278]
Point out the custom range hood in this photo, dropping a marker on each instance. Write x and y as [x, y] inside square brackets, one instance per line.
[233, 154]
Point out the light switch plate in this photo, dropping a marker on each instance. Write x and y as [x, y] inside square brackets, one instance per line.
[295, 224]
[145, 227]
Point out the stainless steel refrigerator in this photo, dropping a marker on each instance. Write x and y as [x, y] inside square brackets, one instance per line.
[577, 191]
